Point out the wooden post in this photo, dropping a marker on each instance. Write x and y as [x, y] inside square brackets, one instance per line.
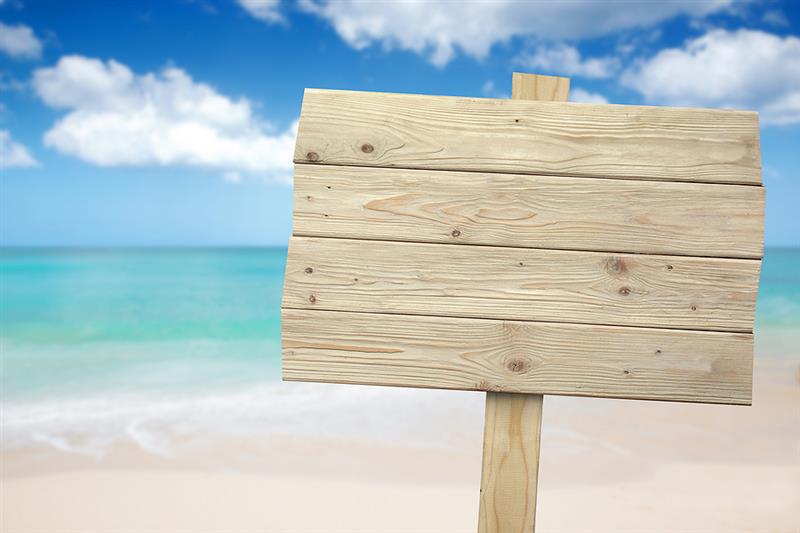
[513, 424]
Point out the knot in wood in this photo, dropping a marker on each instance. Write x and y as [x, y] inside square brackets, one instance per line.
[517, 365]
[616, 266]
[694, 308]
[624, 291]
[455, 233]
[312, 156]
[367, 148]
[309, 270]
[312, 299]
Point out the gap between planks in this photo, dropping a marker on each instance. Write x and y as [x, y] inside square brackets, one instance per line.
[306, 163]
[529, 321]
[522, 248]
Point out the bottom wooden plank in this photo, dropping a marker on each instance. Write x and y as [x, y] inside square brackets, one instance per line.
[512, 356]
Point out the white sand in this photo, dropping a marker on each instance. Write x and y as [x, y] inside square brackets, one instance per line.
[606, 466]
[677, 498]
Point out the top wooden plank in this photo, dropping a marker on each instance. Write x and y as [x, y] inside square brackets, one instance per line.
[499, 135]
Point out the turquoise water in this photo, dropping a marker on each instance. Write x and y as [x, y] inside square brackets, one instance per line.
[73, 319]
[779, 290]
[125, 341]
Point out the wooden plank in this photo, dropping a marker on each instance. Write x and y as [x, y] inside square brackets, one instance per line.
[529, 137]
[520, 357]
[521, 284]
[510, 469]
[698, 219]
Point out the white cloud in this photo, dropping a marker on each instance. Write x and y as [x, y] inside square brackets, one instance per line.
[8, 83]
[489, 89]
[13, 154]
[232, 176]
[775, 18]
[117, 117]
[439, 29]
[742, 69]
[563, 59]
[266, 10]
[582, 95]
[19, 42]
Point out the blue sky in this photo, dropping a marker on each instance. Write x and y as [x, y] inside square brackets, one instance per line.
[171, 122]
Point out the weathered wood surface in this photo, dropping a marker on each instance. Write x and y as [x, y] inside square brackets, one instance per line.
[498, 135]
[697, 219]
[521, 357]
[510, 468]
[521, 284]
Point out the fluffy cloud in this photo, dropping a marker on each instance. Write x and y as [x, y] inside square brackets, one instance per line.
[490, 90]
[438, 29]
[566, 60]
[266, 10]
[117, 117]
[19, 42]
[582, 95]
[13, 154]
[775, 18]
[739, 69]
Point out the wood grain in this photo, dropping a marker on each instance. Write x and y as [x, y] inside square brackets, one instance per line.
[697, 219]
[510, 468]
[521, 284]
[520, 357]
[529, 137]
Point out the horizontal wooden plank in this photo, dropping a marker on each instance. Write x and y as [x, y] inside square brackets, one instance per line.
[529, 137]
[524, 357]
[521, 284]
[698, 219]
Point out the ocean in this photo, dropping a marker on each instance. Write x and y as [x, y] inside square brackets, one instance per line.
[104, 345]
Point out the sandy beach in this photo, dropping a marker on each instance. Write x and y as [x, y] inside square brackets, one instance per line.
[606, 465]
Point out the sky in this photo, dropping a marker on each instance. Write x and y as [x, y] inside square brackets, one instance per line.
[172, 122]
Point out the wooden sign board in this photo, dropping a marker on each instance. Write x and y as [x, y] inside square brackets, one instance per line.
[524, 247]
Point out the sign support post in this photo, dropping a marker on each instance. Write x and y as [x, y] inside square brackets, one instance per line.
[513, 423]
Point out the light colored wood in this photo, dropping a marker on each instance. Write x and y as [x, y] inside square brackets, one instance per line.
[529, 137]
[513, 422]
[578, 215]
[521, 357]
[699, 219]
[536, 87]
[521, 284]
[510, 468]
